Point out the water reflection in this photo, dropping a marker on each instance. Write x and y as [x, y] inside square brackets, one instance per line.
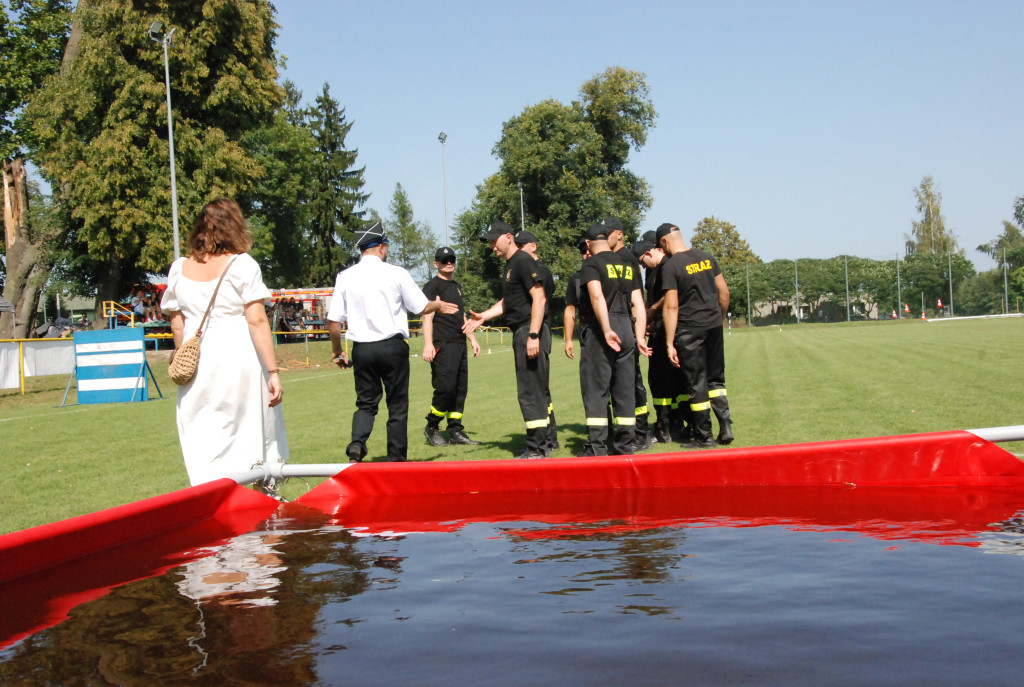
[637, 588]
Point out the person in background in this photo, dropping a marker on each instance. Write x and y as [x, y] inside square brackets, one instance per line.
[229, 415]
[696, 300]
[374, 298]
[573, 299]
[643, 438]
[444, 347]
[524, 305]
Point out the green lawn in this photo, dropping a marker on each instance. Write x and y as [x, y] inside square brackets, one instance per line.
[787, 384]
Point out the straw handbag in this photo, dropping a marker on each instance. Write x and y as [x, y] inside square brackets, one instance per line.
[185, 359]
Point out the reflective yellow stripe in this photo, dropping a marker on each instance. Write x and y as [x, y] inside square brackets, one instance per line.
[435, 411]
[715, 393]
[597, 422]
[537, 424]
[706, 405]
[455, 416]
[551, 408]
[641, 410]
[661, 401]
[625, 421]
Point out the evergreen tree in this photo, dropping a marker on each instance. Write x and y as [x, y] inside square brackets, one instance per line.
[278, 205]
[101, 124]
[334, 217]
[412, 243]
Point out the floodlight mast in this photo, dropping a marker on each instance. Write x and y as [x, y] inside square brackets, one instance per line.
[442, 137]
[157, 34]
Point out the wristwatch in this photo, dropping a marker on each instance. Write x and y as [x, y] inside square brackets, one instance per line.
[534, 335]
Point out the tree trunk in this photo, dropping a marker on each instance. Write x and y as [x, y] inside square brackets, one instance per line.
[27, 266]
[108, 288]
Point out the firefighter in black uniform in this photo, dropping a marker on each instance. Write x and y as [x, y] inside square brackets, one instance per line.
[667, 387]
[573, 296]
[524, 305]
[643, 439]
[444, 347]
[526, 241]
[610, 342]
[696, 300]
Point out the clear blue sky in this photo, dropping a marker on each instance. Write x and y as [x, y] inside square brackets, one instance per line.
[805, 124]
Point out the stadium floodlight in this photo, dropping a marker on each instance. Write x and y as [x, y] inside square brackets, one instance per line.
[442, 137]
[158, 34]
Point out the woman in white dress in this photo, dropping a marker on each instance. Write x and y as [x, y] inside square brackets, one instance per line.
[229, 415]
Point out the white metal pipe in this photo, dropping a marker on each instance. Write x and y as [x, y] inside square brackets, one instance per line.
[1012, 433]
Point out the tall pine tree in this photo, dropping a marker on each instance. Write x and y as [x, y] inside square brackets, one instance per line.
[334, 207]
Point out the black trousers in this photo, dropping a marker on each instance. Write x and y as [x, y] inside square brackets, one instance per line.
[606, 373]
[702, 357]
[449, 375]
[532, 376]
[667, 381]
[382, 367]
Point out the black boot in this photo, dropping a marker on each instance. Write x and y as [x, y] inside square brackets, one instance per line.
[720, 406]
[701, 426]
[662, 433]
[457, 436]
[434, 436]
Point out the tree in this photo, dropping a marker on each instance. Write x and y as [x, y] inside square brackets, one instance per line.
[101, 124]
[1009, 244]
[928, 274]
[30, 50]
[721, 239]
[337, 193]
[412, 243]
[570, 161]
[930, 235]
[278, 204]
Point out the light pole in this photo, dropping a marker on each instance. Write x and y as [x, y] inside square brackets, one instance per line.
[156, 33]
[442, 137]
[522, 211]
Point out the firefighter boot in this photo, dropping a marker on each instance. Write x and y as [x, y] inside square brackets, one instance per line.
[720, 406]
[701, 428]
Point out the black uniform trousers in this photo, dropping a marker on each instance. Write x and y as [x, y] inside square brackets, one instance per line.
[449, 375]
[532, 376]
[382, 367]
[606, 373]
[667, 382]
[702, 357]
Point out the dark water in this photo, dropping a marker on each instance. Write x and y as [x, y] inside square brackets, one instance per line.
[592, 603]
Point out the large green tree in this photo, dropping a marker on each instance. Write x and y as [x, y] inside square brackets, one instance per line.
[929, 234]
[565, 165]
[278, 204]
[723, 241]
[335, 206]
[101, 124]
[412, 243]
[33, 34]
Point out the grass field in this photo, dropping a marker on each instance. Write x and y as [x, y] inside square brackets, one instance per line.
[787, 384]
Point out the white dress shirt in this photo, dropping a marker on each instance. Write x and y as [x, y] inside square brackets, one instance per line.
[374, 297]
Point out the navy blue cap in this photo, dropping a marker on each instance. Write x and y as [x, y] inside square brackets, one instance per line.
[373, 236]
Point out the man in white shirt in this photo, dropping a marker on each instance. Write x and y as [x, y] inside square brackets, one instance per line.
[374, 297]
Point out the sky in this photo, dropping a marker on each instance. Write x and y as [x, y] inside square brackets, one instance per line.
[807, 125]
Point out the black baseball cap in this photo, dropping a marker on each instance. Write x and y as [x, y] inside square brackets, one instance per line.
[641, 246]
[596, 232]
[496, 229]
[612, 224]
[444, 253]
[524, 237]
[582, 246]
[664, 230]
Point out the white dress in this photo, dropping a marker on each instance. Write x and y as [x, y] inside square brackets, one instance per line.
[225, 424]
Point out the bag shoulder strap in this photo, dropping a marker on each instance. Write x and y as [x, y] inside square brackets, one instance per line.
[199, 331]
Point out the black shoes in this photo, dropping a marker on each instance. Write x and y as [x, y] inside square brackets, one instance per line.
[356, 452]
[696, 443]
[459, 437]
[725, 433]
[531, 455]
[434, 436]
[642, 444]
